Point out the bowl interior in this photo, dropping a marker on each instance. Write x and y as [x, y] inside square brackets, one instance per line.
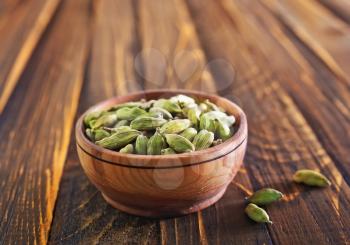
[154, 161]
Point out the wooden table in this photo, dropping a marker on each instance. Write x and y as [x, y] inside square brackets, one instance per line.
[287, 63]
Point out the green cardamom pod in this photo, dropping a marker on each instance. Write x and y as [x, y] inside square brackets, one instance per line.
[155, 144]
[179, 143]
[147, 123]
[193, 115]
[119, 139]
[207, 123]
[127, 104]
[182, 100]
[175, 126]
[106, 120]
[129, 113]
[203, 139]
[311, 178]
[170, 106]
[257, 214]
[118, 129]
[141, 145]
[121, 123]
[203, 107]
[92, 123]
[265, 196]
[129, 148]
[158, 110]
[212, 106]
[89, 133]
[189, 133]
[91, 116]
[222, 130]
[167, 151]
[221, 116]
[100, 133]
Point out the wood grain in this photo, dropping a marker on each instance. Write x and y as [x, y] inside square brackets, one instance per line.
[302, 74]
[340, 8]
[279, 146]
[21, 26]
[325, 34]
[285, 62]
[36, 125]
[81, 215]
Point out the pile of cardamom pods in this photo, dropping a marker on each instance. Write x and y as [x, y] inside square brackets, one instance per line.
[267, 196]
[159, 127]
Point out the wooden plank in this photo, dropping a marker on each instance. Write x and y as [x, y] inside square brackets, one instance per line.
[340, 8]
[166, 26]
[171, 55]
[81, 215]
[21, 26]
[302, 74]
[280, 139]
[325, 34]
[36, 125]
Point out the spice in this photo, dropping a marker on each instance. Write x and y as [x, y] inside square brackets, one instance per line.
[311, 178]
[265, 196]
[257, 214]
[164, 126]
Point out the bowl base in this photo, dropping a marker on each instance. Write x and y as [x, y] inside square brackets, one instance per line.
[165, 212]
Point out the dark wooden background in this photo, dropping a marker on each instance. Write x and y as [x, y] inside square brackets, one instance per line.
[287, 63]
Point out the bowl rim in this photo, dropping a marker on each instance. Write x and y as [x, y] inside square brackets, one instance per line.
[162, 161]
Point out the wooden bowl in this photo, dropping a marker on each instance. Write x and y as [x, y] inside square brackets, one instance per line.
[165, 185]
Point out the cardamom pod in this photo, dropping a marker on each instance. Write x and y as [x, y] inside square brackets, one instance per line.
[167, 151]
[222, 130]
[91, 116]
[311, 178]
[127, 104]
[147, 123]
[106, 120]
[179, 143]
[99, 134]
[90, 134]
[141, 145]
[92, 123]
[129, 148]
[193, 115]
[119, 139]
[207, 123]
[257, 214]
[212, 106]
[189, 133]
[118, 129]
[265, 196]
[155, 144]
[170, 106]
[163, 112]
[183, 100]
[175, 126]
[129, 113]
[203, 107]
[203, 139]
[121, 123]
